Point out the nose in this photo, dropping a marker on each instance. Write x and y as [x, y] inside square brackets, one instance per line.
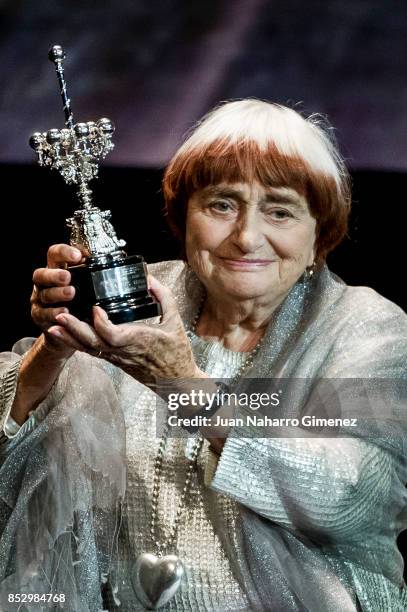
[247, 235]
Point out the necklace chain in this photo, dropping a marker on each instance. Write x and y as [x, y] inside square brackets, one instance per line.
[247, 363]
[169, 538]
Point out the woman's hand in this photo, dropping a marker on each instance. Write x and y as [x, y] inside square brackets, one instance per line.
[51, 288]
[147, 352]
[42, 364]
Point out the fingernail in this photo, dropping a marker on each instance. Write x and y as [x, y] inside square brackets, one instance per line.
[61, 318]
[54, 331]
[76, 253]
[101, 312]
[67, 291]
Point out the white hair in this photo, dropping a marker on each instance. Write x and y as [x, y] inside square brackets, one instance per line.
[266, 123]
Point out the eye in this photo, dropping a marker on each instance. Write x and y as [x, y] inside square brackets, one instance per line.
[280, 214]
[222, 206]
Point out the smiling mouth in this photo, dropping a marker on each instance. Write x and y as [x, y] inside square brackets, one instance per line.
[246, 263]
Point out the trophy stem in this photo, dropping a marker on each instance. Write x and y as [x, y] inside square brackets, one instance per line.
[85, 195]
[57, 56]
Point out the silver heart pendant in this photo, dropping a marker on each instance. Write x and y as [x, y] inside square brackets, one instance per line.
[156, 579]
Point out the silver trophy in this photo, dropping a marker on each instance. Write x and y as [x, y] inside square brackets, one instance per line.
[108, 277]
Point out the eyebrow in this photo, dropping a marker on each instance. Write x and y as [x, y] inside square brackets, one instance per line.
[272, 197]
[227, 192]
[283, 198]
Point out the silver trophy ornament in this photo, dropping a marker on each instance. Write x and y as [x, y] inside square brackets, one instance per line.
[107, 277]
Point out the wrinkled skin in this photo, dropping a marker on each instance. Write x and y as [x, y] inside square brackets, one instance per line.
[147, 352]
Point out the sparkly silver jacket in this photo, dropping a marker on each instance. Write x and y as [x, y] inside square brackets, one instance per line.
[276, 523]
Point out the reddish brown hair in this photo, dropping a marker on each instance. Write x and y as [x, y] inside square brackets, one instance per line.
[204, 161]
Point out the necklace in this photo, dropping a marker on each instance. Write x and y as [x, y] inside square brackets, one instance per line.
[157, 577]
[247, 363]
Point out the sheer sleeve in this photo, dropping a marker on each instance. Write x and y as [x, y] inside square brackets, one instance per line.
[10, 432]
[64, 482]
[9, 370]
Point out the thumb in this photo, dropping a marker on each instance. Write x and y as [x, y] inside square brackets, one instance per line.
[164, 295]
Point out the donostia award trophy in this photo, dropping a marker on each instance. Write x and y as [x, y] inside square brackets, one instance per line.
[108, 277]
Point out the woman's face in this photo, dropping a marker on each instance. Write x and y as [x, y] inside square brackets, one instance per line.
[247, 241]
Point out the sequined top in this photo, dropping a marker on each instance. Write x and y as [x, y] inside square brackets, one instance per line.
[270, 517]
[209, 583]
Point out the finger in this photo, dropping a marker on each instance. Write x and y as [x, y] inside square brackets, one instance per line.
[56, 295]
[62, 335]
[117, 336]
[114, 335]
[50, 277]
[164, 296]
[63, 349]
[44, 317]
[82, 333]
[61, 254]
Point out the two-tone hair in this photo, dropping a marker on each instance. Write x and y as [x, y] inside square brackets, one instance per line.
[251, 140]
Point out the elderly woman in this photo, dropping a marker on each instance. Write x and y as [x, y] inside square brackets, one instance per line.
[94, 504]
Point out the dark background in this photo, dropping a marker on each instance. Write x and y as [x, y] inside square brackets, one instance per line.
[155, 68]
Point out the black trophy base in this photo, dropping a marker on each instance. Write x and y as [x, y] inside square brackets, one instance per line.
[116, 283]
[133, 310]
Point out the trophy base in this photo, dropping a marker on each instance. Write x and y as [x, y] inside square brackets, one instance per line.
[133, 310]
[118, 284]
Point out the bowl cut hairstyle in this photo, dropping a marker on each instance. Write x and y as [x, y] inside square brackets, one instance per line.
[253, 140]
